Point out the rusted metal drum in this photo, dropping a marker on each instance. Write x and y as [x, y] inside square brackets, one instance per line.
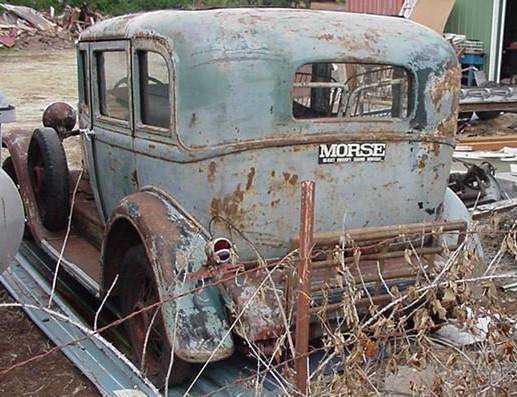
[12, 220]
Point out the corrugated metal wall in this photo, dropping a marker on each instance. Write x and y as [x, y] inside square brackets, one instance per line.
[473, 18]
[384, 7]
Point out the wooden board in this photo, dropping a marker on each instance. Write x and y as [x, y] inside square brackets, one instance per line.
[432, 13]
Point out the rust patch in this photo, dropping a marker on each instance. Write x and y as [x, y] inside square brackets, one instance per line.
[229, 207]
[251, 177]
[292, 179]
[449, 84]
[326, 36]
[212, 169]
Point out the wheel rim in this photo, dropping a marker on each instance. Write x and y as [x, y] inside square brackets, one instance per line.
[37, 173]
[151, 361]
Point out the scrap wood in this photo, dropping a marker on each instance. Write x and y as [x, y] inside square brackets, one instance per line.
[494, 142]
[10, 39]
[45, 29]
[486, 209]
[32, 16]
[509, 287]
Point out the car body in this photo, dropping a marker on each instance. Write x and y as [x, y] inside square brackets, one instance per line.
[199, 125]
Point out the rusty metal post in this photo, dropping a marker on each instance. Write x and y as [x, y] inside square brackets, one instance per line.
[304, 286]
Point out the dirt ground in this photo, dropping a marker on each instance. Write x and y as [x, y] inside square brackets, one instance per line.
[503, 125]
[52, 377]
[33, 79]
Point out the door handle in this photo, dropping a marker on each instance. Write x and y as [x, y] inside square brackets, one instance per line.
[88, 134]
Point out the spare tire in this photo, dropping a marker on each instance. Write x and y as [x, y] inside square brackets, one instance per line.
[12, 220]
[48, 171]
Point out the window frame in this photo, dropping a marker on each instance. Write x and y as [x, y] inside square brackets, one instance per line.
[411, 99]
[106, 46]
[141, 129]
[83, 77]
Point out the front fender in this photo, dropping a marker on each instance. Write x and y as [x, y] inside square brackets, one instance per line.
[196, 323]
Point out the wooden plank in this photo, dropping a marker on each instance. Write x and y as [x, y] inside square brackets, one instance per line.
[490, 138]
[432, 13]
[30, 15]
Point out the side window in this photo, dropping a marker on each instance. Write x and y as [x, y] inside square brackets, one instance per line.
[84, 92]
[351, 90]
[112, 74]
[155, 101]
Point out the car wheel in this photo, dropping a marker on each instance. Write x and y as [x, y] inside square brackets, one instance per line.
[48, 172]
[139, 291]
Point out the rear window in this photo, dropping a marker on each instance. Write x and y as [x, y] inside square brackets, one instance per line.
[112, 72]
[351, 90]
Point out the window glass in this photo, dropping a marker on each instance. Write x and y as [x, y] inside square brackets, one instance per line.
[112, 73]
[83, 78]
[349, 90]
[155, 102]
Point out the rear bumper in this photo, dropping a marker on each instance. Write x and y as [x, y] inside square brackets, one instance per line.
[371, 262]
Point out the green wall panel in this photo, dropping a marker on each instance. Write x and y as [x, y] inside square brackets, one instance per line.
[473, 18]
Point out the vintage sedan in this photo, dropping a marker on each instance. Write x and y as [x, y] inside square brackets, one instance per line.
[197, 128]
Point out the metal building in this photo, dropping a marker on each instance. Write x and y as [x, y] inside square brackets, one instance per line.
[490, 21]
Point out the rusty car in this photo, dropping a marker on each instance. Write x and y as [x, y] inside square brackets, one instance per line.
[197, 128]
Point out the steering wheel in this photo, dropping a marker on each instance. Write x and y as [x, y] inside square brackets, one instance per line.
[124, 80]
[120, 82]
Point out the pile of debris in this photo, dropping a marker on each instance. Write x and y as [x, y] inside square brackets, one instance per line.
[24, 27]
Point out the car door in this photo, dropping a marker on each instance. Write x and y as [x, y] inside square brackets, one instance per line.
[86, 118]
[111, 136]
[153, 81]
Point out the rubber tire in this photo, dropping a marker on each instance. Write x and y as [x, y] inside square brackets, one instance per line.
[46, 149]
[135, 268]
[8, 167]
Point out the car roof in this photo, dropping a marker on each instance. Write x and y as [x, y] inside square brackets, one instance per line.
[296, 35]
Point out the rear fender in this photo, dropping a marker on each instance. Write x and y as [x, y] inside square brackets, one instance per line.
[17, 144]
[175, 246]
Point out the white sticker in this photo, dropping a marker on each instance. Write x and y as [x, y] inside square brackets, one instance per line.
[330, 153]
